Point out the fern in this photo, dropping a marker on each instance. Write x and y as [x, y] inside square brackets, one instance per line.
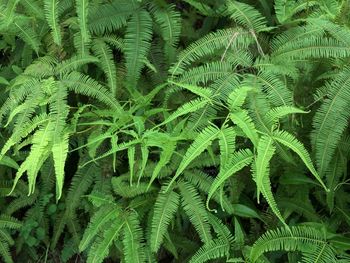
[137, 44]
[307, 240]
[164, 208]
[203, 140]
[51, 13]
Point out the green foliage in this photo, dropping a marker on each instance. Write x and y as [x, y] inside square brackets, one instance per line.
[174, 131]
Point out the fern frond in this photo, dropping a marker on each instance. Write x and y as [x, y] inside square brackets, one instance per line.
[292, 143]
[208, 45]
[137, 44]
[164, 209]
[202, 92]
[331, 119]
[186, 108]
[246, 15]
[239, 160]
[104, 215]
[7, 221]
[215, 249]
[169, 21]
[227, 138]
[5, 251]
[104, 54]
[273, 115]
[206, 73]
[201, 142]
[195, 210]
[132, 239]
[82, 8]
[297, 238]
[87, 86]
[127, 190]
[265, 151]
[237, 97]
[99, 250]
[244, 121]
[51, 14]
[313, 47]
[74, 63]
[277, 92]
[110, 16]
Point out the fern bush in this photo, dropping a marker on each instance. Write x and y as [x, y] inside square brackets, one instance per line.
[174, 131]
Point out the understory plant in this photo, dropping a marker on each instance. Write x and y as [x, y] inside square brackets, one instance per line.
[174, 131]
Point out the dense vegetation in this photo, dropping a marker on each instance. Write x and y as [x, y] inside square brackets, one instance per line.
[174, 131]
